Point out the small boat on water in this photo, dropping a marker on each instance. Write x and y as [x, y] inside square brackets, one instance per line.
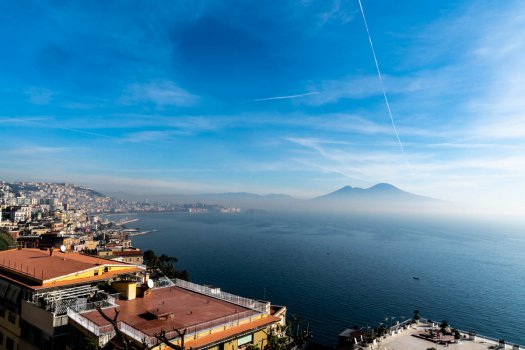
[416, 278]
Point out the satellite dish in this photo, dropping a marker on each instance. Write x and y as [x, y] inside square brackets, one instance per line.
[63, 248]
[150, 283]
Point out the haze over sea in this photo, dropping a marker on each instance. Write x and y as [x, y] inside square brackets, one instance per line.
[337, 271]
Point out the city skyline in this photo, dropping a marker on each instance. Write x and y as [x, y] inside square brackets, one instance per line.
[277, 97]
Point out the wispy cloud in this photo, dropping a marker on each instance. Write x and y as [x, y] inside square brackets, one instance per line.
[40, 96]
[285, 97]
[340, 11]
[353, 87]
[35, 150]
[22, 120]
[161, 93]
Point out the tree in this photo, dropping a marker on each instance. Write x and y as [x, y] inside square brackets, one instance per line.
[444, 325]
[129, 345]
[416, 317]
[381, 330]
[6, 240]
[274, 341]
[457, 335]
[300, 337]
[164, 264]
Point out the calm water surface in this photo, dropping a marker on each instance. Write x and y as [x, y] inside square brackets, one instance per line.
[336, 272]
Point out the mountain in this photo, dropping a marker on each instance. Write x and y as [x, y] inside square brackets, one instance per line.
[379, 191]
[381, 197]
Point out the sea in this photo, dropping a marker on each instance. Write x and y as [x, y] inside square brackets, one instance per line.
[338, 271]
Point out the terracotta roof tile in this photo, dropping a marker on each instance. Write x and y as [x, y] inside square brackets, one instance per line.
[217, 337]
[38, 266]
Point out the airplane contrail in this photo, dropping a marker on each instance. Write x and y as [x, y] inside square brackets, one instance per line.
[382, 84]
[285, 97]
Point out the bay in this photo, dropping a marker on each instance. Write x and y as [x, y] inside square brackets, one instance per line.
[338, 271]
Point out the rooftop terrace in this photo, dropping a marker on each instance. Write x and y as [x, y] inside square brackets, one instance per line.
[184, 307]
[413, 338]
[168, 308]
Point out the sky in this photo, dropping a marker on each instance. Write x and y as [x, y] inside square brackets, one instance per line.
[266, 96]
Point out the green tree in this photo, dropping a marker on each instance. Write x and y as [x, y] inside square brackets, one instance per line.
[444, 325]
[416, 317]
[457, 335]
[6, 241]
[297, 332]
[165, 265]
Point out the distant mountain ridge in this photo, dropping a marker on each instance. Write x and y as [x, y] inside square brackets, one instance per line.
[380, 190]
[345, 198]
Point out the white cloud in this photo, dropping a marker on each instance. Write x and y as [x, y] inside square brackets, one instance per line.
[340, 11]
[35, 150]
[161, 93]
[40, 96]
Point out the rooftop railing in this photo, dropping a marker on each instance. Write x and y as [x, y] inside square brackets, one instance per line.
[193, 331]
[463, 333]
[89, 325]
[259, 306]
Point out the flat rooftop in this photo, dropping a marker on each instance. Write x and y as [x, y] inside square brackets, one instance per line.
[407, 341]
[167, 308]
[37, 268]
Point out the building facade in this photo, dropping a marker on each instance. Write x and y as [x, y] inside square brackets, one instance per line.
[38, 286]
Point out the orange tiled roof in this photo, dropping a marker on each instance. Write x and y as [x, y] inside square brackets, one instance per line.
[230, 332]
[38, 267]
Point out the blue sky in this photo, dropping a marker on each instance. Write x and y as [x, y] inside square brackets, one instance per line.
[266, 96]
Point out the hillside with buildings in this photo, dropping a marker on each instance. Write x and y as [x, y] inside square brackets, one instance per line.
[71, 279]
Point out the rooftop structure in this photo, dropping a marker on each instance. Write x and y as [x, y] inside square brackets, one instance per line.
[37, 287]
[38, 269]
[207, 316]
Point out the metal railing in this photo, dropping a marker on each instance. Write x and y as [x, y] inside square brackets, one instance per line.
[89, 325]
[57, 302]
[216, 293]
[487, 339]
[193, 331]
[466, 334]
[84, 307]
[137, 335]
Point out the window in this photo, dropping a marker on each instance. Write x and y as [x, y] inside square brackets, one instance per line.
[95, 273]
[106, 269]
[245, 340]
[9, 344]
[11, 317]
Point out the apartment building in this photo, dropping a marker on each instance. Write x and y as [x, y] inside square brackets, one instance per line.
[38, 286]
